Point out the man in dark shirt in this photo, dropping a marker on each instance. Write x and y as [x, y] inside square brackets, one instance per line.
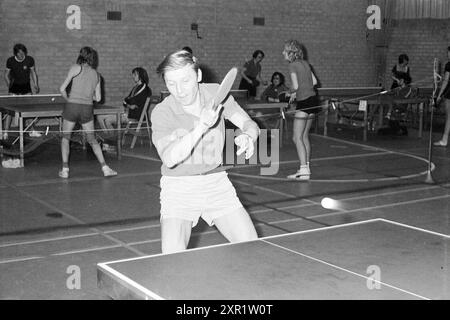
[19, 69]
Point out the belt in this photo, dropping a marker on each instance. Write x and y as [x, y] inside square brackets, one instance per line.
[215, 170]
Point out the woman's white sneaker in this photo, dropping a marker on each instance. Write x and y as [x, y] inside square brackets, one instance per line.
[64, 173]
[302, 174]
[108, 172]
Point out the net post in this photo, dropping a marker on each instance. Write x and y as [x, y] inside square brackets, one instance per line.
[429, 178]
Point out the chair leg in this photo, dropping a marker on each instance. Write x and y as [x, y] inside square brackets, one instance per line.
[138, 128]
[83, 139]
[149, 132]
[124, 133]
[149, 137]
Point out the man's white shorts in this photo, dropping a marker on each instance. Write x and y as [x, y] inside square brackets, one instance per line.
[191, 197]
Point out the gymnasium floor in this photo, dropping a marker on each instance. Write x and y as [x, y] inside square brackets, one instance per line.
[51, 227]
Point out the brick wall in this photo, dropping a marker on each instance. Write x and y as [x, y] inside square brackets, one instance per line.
[333, 31]
[422, 40]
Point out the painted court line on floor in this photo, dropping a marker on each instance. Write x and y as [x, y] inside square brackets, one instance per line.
[381, 206]
[251, 212]
[98, 248]
[271, 223]
[379, 149]
[75, 219]
[141, 157]
[350, 198]
[20, 243]
[92, 249]
[383, 150]
[284, 194]
[85, 179]
[280, 193]
[20, 259]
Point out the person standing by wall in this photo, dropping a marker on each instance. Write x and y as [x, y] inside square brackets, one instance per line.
[444, 92]
[251, 74]
[20, 68]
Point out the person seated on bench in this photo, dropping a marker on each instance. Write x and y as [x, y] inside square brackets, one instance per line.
[276, 91]
[133, 103]
[396, 114]
[404, 90]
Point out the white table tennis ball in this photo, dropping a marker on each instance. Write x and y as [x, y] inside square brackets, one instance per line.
[53, 99]
[328, 203]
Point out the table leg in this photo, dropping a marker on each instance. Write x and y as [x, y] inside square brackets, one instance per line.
[119, 137]
[325, 119]
[316, 123]
[1, 125]
[420, 119]
[281, 126]
[21, 140]
[365, 125]
[83, 139]
[380, 115]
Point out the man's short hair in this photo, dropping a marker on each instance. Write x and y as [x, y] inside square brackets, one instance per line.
[402, 58]
[258, 52]
[18, 47]
[177, 60]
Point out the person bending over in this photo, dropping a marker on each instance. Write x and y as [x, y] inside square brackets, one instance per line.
[189, 137]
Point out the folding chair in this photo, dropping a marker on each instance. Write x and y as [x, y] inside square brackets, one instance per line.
[134, 126]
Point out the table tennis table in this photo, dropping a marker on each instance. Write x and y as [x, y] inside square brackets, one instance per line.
[278, 109]
[396, 261]
[325, 94]
[47, 106]
[375, 100]
[369, 108]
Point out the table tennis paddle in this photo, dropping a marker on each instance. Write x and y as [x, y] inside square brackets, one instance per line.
[224, 87]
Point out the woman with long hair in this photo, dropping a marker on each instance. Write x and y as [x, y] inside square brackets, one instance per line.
[85, 87]
[444, 92]
[134, 103]
[302, 93]
[276, 91]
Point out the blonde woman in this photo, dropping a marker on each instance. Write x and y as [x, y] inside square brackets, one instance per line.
[302, 94]
[444, 92]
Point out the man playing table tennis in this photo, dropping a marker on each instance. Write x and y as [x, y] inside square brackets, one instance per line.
[189, 136]
[19, 69]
